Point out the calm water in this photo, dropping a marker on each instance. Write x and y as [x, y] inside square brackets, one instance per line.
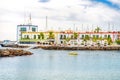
[58, 65]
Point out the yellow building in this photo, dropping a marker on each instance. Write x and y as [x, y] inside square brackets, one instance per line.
[49, 37]
[69, 37]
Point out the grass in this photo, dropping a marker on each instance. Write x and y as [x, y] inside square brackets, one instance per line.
[29, 40]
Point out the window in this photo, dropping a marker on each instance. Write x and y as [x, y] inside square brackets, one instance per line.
[38, 36]
[108, 36]
[61, 36]
[25, 36]
[82, 36]
[34, 36]
[23, 29]
[105, 36]
[28, 37]
[97, 36]
[64, 36]
[61, 42]
[72, 36]
[33, 29]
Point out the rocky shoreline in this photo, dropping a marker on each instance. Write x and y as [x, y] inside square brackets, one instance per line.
[15, 46]
[79, 48]
[13, 52]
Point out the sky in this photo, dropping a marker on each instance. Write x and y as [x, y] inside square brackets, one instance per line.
[62, 14]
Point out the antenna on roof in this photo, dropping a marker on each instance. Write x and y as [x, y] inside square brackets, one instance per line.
[24, 17]
[82, 27]
[112, 27]
[108, 26]
[30, 21]
[87, 28]
[92, 28]
[46, 23]
[74, 27]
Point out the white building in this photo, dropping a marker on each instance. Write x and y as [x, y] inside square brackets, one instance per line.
[25, 28]
[29, 33]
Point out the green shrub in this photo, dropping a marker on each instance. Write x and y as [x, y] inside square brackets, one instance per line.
[118, 42]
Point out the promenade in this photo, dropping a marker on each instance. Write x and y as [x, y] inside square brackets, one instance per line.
[67, 47]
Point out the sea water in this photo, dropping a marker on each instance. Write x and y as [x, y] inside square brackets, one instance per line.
[59, 65]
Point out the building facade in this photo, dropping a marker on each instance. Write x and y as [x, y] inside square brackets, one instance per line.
[25, 28]
[29, 35]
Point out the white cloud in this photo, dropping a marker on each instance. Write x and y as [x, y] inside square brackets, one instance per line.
[61, 13]
[115, 2]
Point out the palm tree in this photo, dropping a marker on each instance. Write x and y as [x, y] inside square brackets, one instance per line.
[118, 41]
[28, 37]
[94, 39]
[41, 35]
[109, 39]
[67, 39]
[51, 35]
[87, 37]
[75, 35]
[97, 29]
[100, 38]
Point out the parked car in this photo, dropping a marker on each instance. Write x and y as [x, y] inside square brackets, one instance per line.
[8, 43]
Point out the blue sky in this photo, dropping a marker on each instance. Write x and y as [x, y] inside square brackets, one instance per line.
[44, 1]
[62, 14]
[108, 3]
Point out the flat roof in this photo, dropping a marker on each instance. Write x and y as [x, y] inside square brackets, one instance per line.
[73, 32]
[27, 25]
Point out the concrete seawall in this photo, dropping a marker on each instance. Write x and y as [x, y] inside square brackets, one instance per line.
[80, 48]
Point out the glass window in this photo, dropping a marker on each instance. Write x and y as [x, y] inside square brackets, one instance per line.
[61, 36]
[61, 42]
[28, 37]
[34, 29]
[38, 36]
[105, 36]
[34, 36]
[23, 29]
[108, 36]
[25, 36]
[82, 36]
[97, 36]
[64, 36]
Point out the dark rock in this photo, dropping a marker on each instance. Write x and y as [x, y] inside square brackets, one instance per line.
[80, 48]
[13, 52]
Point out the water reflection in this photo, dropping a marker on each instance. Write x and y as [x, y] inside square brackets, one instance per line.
[58, 65]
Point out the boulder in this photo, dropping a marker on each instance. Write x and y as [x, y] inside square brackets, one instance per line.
[5, 53]
[13, 52]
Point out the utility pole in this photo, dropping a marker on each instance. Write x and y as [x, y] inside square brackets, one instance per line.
[24, 18]
[92, 28]
[87, 28]
[82, 27]
[74, 27]
[46, 23]
[108, 27]
[30, 21]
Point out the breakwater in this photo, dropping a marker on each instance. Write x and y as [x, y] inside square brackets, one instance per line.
[15, 46]
[13, 52]
[79, 48]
